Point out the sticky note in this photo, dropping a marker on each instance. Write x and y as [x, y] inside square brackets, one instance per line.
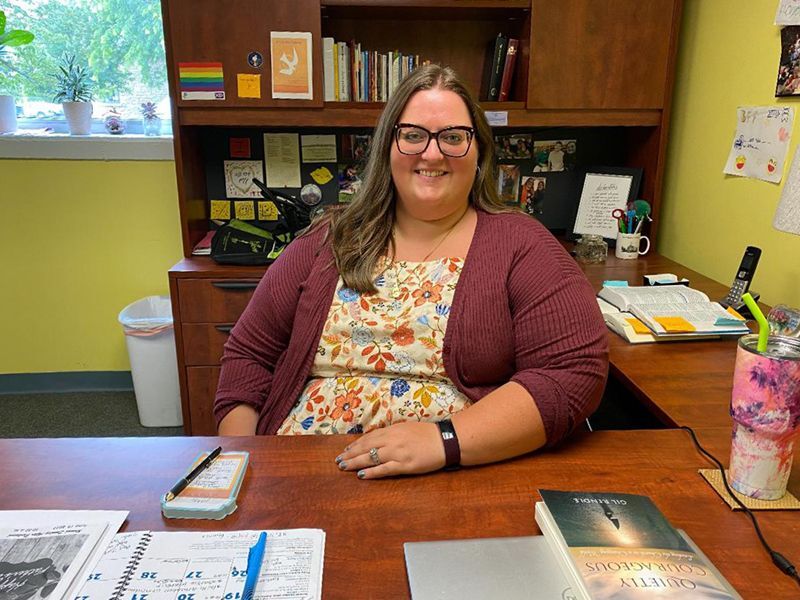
[249, 85]
[727, 321]
[615, 283]
[638, 326]
[735, 314]
[240, 147]
[675, 324]
[244, 210]
[220, 209]
[267, 211]
[322, 175]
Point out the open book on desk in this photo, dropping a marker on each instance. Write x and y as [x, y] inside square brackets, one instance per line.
[674, 312]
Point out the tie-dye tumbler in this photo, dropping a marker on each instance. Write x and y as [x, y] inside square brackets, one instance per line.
[765, 407]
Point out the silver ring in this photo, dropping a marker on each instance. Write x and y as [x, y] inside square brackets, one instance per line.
[373, 454]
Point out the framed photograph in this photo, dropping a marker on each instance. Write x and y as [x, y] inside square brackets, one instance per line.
[604, 190]
[508, 183]
[554, 155]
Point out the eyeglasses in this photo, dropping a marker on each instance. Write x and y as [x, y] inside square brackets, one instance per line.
[452, 141]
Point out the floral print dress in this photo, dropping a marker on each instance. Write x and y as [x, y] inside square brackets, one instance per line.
[379, 359]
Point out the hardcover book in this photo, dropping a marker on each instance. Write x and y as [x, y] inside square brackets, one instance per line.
[621, 546]
[508, 69]
[493, 68]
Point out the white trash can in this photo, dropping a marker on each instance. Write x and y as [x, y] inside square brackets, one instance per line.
[150, 337]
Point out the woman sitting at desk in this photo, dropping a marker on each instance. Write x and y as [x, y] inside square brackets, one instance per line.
[444, 326]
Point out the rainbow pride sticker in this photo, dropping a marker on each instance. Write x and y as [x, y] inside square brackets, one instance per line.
[201, 81]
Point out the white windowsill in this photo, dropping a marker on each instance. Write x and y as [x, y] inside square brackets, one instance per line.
[86, 147]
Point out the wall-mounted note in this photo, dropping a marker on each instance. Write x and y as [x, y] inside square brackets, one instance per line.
[282, 154]
[321, 175]
[248, 85]
[239, 178]
[244, 210]
[318, 148]
[267, 211]
[601, 195]
[788, 12]
[761, 142]
[239, 147]
[221, 210]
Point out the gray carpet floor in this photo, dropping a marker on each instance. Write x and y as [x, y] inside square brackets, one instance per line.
[85, 414]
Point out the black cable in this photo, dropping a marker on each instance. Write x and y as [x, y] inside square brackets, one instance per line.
[778, 559]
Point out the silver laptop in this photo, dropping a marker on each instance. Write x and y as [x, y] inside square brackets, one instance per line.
[512, 568]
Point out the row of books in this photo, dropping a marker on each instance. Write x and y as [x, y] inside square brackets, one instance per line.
[353, 74]
[595, 545]
[498, 72]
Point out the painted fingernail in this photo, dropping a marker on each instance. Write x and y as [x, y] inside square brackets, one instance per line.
[339, 458]
[361, 474]
[342, 465]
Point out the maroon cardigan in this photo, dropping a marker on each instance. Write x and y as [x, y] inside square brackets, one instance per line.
[522, 311]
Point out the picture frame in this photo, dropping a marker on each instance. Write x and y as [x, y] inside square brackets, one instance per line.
[603, 189]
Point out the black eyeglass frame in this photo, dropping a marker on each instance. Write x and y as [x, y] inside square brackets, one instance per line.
[434, 135]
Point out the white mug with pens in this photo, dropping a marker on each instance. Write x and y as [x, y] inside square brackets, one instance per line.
[629, 245]
[629, 238]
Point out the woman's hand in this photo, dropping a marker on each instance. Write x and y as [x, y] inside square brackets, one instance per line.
[404, 448]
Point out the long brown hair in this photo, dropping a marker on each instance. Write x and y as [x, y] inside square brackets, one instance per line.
[361, 231]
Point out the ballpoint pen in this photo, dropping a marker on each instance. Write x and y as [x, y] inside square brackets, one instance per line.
[181, 484]
[254, 559]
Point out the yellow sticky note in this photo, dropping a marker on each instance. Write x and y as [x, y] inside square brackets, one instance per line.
[267, 211]
[675, 324]
[244, 210]
[249, 85]
[321, 175]
[638, 326]
[734, 313]
[220, 209]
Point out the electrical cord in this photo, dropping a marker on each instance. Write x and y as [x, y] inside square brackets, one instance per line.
[778, 559]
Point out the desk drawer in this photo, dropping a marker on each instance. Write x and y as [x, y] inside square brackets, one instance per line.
[201, 383]
[203, 342]
[214, 300]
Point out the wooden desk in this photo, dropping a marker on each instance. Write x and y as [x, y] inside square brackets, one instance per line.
[681, 383]
[293, 482]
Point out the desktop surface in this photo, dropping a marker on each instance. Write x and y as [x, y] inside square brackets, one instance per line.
[293, 482]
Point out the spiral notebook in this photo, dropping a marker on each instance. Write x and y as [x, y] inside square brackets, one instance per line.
[206, 565]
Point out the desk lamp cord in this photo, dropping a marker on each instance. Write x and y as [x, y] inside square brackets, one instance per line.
[778, 559]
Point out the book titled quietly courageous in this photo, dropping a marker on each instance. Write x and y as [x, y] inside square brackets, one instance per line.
[621, 546]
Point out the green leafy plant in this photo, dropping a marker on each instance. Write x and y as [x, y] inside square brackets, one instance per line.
[11, 39]
[149, 111]
[73, 81]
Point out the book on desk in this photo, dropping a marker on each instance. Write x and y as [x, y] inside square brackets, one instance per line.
[676, 313]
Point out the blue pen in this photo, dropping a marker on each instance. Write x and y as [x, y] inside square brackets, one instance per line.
[630, 220]
[254, 559]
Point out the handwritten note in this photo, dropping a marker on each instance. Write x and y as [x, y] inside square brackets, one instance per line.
[788, 13]
[267, 211]
[283, 160]
[239, 178]
[602, 193]
[761, 142]
[244, 210]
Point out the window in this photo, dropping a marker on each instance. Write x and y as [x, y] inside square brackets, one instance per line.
[121, 42]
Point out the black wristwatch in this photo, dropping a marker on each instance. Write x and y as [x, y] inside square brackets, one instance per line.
[452, 450]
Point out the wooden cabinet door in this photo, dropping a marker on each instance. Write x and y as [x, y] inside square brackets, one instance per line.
[202, 385]
[601, 54]
[227, 32]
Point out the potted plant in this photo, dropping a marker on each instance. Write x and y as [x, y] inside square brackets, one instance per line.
[150, 118]
[74, 91]
[9, 38]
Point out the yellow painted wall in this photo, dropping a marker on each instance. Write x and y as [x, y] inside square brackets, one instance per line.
[729, 55]
[80, 240]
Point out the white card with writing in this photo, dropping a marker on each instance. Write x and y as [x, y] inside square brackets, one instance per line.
[602, 193]
[788, 12]
[761, 142]
[239, 178]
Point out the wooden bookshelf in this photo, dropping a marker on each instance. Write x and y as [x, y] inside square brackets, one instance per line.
[581, 64]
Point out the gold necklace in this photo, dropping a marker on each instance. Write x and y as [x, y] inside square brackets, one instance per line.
[396, 292]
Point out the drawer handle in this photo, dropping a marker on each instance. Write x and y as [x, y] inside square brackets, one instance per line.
[223, 328]
[235, 285]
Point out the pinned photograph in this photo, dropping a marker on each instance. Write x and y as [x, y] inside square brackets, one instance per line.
[788, 83]
[349, 181]
[239, 176]
[508, 183]
[355, 147]
[532, 196]
[554, 155]
[513, 146]
[291, 65]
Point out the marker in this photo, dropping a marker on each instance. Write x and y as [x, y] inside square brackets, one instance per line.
[254, 559]
[183, 482]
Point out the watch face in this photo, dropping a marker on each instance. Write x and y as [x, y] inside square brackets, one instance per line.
[311, 194]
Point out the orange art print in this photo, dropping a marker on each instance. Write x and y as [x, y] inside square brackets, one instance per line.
[291, 65]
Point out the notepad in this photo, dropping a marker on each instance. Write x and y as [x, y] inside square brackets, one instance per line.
[212, 494]
[207, 565]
